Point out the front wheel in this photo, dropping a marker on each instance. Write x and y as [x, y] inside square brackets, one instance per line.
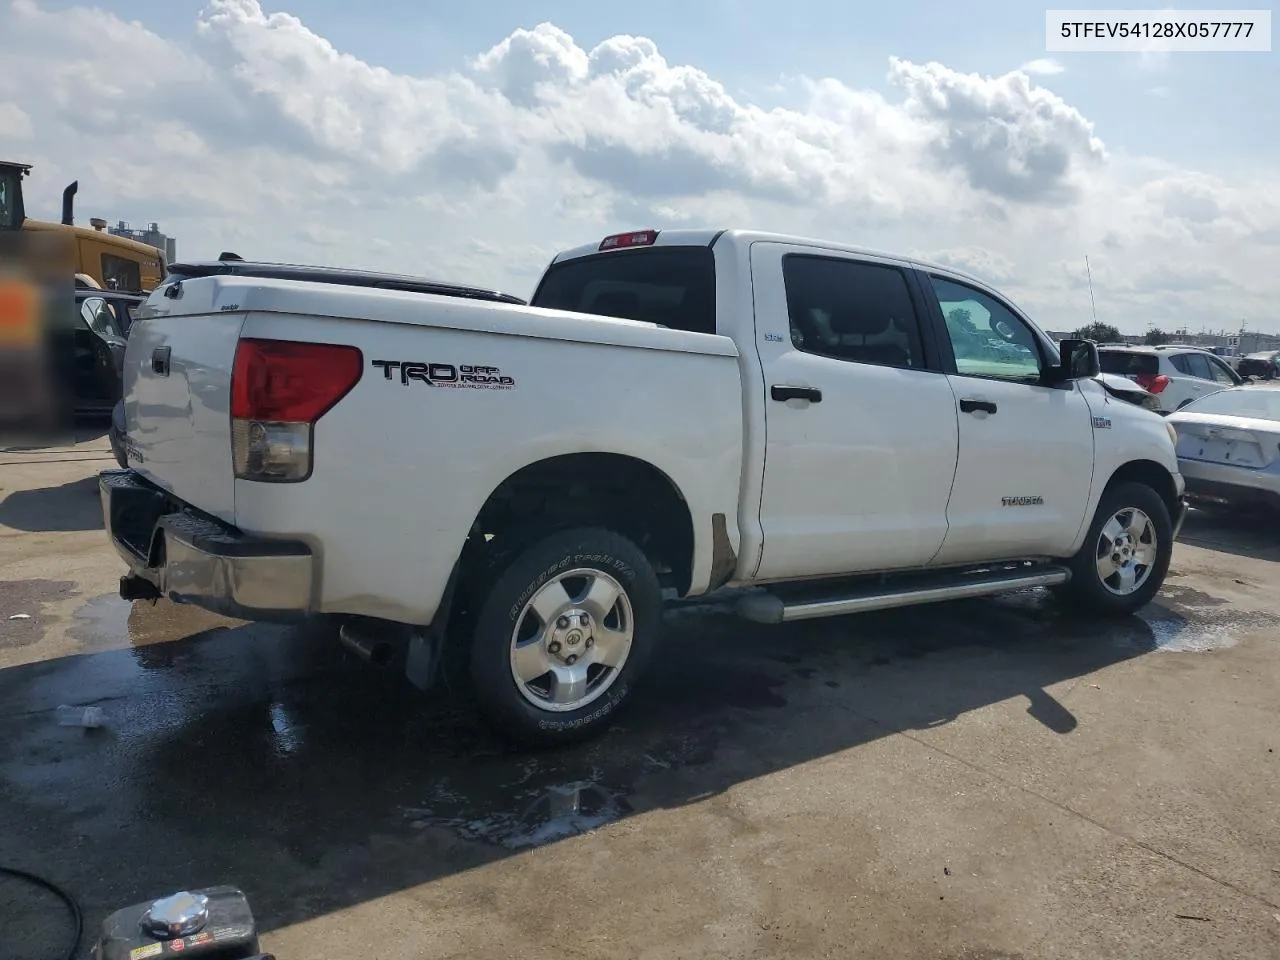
[563, 634]
[1125, 555]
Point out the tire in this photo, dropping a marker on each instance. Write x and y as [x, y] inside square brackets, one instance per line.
[1086, 591]
[535, 711]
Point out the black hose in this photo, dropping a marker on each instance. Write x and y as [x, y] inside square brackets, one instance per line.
[77, 918]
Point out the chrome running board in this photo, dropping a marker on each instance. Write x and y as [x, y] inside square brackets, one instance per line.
[771, 608]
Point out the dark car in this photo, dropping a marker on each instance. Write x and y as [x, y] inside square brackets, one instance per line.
[1265, 365]
[100, 335]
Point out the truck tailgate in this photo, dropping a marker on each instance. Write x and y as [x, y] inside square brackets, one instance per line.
[177, 399]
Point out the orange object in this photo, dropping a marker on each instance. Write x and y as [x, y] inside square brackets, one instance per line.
[19, 313]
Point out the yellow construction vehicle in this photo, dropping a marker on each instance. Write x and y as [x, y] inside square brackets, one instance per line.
[114, 263]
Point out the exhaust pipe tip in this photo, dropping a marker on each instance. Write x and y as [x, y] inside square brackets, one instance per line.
[68, 203]
[371, 649]
[133, 587]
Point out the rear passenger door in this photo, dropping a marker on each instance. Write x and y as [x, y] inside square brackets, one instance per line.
[1025, 464]
[860, 423]
[1195, 377]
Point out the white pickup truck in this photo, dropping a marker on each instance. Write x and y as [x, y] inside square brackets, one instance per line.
[515, 488]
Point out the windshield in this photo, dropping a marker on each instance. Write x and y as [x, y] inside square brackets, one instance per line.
[9, 213]
[1260, 403]
[671, 286]
[1128, 364]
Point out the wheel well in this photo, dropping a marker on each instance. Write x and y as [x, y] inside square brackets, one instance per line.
[617, 492]
[1151, 474]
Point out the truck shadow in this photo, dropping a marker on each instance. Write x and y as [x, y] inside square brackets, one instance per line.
[262, 756]
[1244, 534]
[70, 507]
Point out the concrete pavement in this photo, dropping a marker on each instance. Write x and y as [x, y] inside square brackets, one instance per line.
[988, 779]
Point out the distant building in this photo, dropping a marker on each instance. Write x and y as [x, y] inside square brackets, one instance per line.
[1246, 343]
[151, 235]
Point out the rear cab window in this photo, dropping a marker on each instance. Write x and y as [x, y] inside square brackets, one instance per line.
[1129, 364]
[673, 286]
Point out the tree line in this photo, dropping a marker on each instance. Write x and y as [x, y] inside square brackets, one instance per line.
[1106, 333]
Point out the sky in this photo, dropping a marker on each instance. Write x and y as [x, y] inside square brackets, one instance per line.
[471, 144]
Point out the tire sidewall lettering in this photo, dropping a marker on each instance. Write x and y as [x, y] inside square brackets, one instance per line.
[605, 562]
[607, 705]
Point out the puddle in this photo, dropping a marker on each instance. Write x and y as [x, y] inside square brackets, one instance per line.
[106, 620]
[1190, 597]
[1173, 633]
[533, 818]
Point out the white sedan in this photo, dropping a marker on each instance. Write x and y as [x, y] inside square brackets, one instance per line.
[1229, 447]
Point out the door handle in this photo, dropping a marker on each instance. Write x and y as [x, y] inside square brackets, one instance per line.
[974, 406]
[160, 361]
[783, 393]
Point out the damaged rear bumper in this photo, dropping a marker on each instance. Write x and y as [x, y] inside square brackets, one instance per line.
[191, 558]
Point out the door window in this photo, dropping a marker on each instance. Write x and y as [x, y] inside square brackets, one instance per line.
[1221, 372]
[120, 274]
[96, 314]
[852, 310]
[1198, 366]
[988, 339]
[9, 199]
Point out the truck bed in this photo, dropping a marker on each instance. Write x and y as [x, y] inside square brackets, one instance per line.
[402, 465]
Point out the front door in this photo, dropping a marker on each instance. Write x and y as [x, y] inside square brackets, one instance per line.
[1026, 450]
[860, 422]
[98, 346]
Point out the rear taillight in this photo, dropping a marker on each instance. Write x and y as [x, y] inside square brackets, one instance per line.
[279, 389]
[1152, 383]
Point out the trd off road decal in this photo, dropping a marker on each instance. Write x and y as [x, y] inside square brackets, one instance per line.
[468, 376]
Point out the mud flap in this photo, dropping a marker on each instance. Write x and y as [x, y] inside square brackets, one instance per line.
[422, 661]
[425, 654]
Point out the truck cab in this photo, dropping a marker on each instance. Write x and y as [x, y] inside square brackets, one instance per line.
[906, 415]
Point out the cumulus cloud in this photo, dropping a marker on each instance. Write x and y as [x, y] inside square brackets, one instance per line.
[260, 135]
[1012, 138]
[1045, 66]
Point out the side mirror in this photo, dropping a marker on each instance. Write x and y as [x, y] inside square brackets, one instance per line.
[1078, 361]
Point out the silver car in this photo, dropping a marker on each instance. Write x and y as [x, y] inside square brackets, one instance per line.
[1229, 447]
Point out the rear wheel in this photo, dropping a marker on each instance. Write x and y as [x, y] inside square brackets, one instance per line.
[563, 634]
[1126, 553]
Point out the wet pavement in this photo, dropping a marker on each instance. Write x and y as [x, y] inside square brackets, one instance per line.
[979, 779]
